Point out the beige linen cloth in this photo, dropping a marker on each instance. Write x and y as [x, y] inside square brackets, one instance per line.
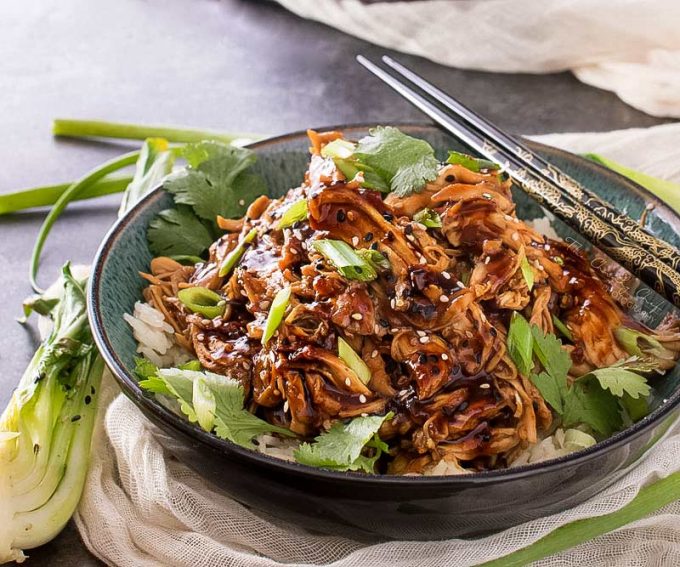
[142, 508]
[631, 47]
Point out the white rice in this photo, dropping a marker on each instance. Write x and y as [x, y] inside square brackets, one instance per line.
[155, 338]
[552, 447]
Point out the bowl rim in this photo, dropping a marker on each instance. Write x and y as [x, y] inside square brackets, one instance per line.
[178, 424]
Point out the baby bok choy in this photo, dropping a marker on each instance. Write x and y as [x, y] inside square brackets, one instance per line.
[46, 430]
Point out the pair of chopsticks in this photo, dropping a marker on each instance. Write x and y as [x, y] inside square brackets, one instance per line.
[654, 261]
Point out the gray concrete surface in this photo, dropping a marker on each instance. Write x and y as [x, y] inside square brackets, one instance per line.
[231, 65]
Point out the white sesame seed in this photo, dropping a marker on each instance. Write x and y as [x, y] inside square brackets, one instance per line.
[350, 215]
[357, 316]
[485, 386]
[374, 354]
[362, 399]
[487, 196]
[285, 406]
[515, 236]
[364, 414]
[200, 336]
[445, 356]
[487, 259]
[376, 329]
[410, 238]
[546, 247]
[355, 240]
[241, 202]
[508, 218]
[423, 260]
[446, 275]
[395, 330]
[424, 340]
[460, 284]
[443, 298]
[293, 251]
[421, 333]
[393, 303]
[348, 382]
[572, 281]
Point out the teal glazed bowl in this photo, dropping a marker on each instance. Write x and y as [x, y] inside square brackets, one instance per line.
[380, 507]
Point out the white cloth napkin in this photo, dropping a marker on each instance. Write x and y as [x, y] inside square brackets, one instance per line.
[142, 508]
[630, 47]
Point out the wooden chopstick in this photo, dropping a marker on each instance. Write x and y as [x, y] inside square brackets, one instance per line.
[664, 279]
[629, 227]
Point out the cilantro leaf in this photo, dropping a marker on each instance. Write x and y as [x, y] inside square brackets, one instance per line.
[552, 388]
[178, 232]
[549, 351]
[403, 164]
[587, 403]
[471, 163]
[216, 181]
[619, 381]
[520, 343]
[232, 421]
[527, 272]
[340, 447]
[213, 401]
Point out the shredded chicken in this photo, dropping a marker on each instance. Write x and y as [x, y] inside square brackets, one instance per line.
[435, 346]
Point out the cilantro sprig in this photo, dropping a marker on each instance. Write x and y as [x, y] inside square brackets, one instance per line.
[388, 160]
[214, 402]
[597, 399]
[341, 447]
[216, 181]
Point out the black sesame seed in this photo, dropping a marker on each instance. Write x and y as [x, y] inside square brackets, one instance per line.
[374, 246]
[433, 358]
[359, 269]
[341, 216]
[435, 370]
[462, 406]
[384, 323]
[422, 358]
[390, 236]
[493, 332]
[75, 418]
[408, 229]
[88, 400]
[387, 216]
[486, 438]
[368, 236]
[389, 278]
[450, 178]
[93, 391]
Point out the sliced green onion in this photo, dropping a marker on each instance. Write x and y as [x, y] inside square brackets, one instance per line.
[353, 360]
[276, 313]
[202, 300]
[338, 149]
[575, 440]
[235, 255]
[562, 328]
[374, 258]
[471, 163]
[345, 260]
[527, 272]
[429, 218]
[187, 260]
[637, 343]
[194, 365]
[296, 212]
[204, 404]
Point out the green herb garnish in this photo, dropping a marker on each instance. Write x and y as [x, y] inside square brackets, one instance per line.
[233, 258]
[216, 181]
[346, 260]
[276, 313]
[178, 232]
[471, 163]
[429, 218]
[562, 328]
[353, 360]
[520, 343]
[340, 448]
[527, 272]
[295, 213]
[202, 300]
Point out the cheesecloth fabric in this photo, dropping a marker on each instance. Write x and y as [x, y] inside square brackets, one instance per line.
[626, 46]
[141, 507]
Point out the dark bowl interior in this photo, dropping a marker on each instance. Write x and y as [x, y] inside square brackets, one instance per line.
[363, 506]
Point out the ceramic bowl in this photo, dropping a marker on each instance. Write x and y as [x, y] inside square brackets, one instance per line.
[365, 506]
